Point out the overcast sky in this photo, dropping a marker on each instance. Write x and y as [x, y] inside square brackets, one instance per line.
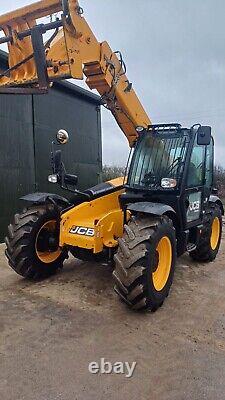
[175, 56]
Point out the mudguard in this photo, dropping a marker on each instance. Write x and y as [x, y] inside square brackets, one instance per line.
[216, 200]
[156, 209]
[41, 198]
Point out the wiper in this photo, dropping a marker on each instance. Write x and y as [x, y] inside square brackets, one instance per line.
[179, 159]
[175, 163]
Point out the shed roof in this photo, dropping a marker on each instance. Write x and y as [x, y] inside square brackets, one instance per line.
[61, 85]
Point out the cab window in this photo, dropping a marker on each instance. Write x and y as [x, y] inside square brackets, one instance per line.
[195, 171]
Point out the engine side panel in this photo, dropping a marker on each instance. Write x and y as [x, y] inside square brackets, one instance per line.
[93, 225]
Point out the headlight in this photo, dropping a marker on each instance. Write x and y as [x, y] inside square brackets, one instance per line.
[168, 183]
[139, 129]
[53, 178]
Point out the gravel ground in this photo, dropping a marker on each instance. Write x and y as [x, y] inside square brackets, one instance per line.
[52, 330]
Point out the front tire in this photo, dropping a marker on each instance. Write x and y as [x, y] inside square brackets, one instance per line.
[32, 243]
[145, 262]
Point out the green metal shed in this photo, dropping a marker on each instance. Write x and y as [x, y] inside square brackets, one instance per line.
[28, 124]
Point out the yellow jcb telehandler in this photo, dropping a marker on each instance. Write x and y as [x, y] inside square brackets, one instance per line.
[167, 204]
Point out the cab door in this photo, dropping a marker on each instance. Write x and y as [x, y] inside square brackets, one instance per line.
[195, 189]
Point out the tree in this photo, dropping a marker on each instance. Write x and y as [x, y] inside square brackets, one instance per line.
[219, 180]
[112, 172]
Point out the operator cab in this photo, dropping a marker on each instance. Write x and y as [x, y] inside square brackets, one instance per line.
[158, 158]
[161, 153]
[174, 166]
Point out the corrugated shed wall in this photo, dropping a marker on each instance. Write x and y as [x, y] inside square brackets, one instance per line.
[28, 124]
[83, 153]
[17, 174]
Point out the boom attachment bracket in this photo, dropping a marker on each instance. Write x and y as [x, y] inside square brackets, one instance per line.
[72, 51]
[38, 55]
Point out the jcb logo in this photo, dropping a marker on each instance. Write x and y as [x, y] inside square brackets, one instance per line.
[194, 206]
[82, 230]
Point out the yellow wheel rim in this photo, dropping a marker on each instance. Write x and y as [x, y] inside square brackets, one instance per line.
[215, 235]
[161, 274]
[47, 256]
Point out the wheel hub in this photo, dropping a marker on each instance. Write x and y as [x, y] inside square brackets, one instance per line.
[163, 266]
[215, 235]
[47, 243]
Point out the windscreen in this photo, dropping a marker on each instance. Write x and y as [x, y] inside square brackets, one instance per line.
[158, 156]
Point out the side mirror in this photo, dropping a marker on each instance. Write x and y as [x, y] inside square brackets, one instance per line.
[204, 135]
[62, 136]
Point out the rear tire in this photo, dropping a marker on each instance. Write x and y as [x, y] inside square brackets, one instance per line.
[209, 242]
[27, 244]
[145, 262]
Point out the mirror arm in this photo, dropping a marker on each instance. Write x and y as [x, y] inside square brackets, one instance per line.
[52, 156]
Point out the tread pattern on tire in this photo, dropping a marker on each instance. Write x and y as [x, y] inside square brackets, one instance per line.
[20, 244]
[130, 272]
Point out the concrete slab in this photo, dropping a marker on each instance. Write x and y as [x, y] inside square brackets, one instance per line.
[52, 330]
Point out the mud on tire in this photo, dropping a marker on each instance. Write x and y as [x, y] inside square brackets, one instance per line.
[137, 259]
[21, 243]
